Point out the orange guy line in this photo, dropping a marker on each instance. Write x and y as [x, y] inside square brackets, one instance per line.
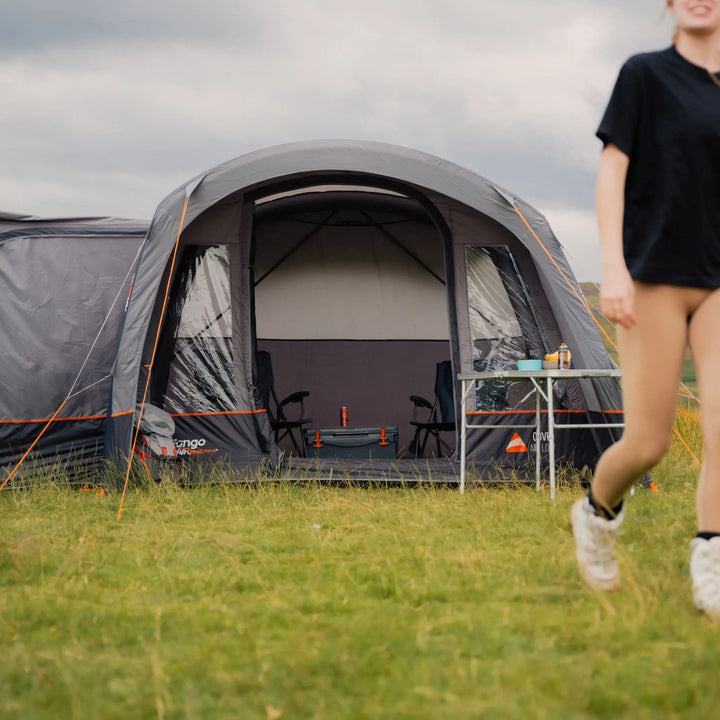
[155, 346]
[32, 445]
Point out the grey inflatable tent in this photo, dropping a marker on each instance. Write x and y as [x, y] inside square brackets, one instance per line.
[358, 266]
[63, 286]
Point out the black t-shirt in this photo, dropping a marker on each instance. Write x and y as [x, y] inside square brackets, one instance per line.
[664, 114]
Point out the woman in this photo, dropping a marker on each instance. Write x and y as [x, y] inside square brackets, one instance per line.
[658, 204]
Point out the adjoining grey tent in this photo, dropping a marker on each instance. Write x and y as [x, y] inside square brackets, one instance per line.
[59, 329]
[358, 266]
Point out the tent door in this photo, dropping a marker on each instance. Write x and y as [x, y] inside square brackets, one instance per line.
[351, 301]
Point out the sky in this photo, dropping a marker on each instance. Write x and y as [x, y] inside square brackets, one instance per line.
[105, 108]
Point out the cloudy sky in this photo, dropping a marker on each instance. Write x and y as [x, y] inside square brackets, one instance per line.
[107, 107]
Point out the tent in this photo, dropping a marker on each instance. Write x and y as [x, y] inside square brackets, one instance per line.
[63, 285]
[359, 266]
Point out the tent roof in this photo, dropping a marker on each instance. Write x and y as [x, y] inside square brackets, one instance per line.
[14, 225]
[370, 163]
[439, 186]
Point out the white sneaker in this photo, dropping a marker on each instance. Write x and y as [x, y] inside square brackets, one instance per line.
[595, 546]
[705, 575]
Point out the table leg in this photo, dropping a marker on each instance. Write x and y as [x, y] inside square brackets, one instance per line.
[551, 436]
[538, 419]
[463, 433]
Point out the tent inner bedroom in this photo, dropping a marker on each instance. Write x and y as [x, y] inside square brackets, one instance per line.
[351, 304]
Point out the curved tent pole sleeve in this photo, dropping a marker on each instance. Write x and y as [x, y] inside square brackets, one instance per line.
[188, 192]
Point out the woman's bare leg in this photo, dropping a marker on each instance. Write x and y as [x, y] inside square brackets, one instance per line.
[651, 358]
[705, 346]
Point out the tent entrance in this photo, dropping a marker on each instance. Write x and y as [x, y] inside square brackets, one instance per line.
[351, 301]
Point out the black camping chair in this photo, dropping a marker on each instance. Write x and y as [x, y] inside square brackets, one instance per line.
[282, 425]
[440, 416]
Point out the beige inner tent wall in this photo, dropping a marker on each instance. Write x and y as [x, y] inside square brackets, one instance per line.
[350, 283]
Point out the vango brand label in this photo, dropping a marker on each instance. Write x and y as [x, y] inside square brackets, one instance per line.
[193, 446]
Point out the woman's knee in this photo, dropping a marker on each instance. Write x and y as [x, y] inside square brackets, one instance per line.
[643, 453]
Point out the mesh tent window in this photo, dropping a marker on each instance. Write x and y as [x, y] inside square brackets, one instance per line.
[199, 375]
[503, 325]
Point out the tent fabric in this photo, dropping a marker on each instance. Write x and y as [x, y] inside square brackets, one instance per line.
[343, 259]
[59, 279]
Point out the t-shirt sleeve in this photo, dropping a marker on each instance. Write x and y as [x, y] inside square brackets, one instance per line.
[620, 121]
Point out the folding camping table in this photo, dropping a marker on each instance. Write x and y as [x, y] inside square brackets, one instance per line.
[542, 381]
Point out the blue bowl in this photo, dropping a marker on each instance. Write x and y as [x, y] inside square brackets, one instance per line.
[529, 364]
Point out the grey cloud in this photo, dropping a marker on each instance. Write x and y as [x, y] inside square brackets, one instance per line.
[40, 26]
[108, 107]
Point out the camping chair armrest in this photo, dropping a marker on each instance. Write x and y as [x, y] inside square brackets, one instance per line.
[296, 397]
[420, 402]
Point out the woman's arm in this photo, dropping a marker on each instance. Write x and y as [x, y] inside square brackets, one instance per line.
[616, 290]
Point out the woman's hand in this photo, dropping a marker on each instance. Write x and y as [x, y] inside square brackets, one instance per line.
[617, 297]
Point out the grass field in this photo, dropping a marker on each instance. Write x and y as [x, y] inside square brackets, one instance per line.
[308, 601]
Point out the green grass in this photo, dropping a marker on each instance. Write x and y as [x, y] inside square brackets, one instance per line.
[308, 601]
